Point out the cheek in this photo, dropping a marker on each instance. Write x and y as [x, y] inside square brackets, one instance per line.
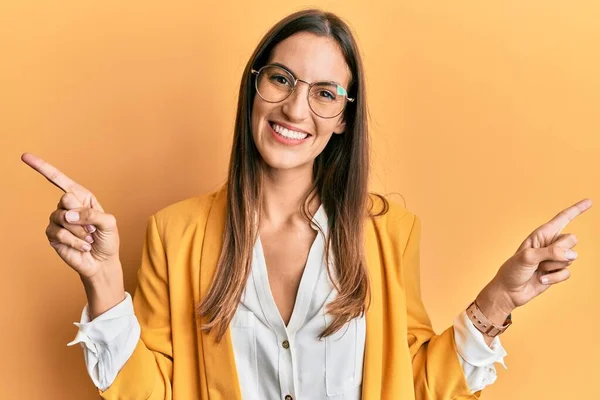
[325, 128]
[260, 109]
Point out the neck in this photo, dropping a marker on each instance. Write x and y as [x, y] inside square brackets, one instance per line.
[283, 193]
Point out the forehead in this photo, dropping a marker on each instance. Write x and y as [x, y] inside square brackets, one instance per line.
[312, 58]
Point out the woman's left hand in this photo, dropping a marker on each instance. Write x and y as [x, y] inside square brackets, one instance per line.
[541, 260]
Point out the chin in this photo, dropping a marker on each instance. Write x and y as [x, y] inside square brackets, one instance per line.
[281, 161]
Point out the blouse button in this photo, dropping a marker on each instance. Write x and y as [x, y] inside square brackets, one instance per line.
[288, 397]
[286, 345]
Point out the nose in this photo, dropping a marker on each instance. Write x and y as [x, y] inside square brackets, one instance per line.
[296, 106]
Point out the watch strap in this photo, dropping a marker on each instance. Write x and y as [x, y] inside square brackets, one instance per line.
[483, 324]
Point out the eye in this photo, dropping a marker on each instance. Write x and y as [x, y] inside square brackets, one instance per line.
[325, 92]
[326, 95]
[280, 79]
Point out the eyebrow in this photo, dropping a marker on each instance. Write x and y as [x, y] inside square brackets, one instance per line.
[295, 76]
[285, 67]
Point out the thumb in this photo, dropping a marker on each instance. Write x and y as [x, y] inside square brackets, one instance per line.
[91, 216]
[557, 252]
[532, 257]
[70, 201]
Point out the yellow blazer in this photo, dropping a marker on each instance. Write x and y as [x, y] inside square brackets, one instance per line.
[404, 358]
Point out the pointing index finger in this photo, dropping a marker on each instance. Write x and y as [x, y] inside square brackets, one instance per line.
[50, 172]
[562, 219]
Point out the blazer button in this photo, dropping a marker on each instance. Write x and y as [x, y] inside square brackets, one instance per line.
[286, 345]
[288, 397]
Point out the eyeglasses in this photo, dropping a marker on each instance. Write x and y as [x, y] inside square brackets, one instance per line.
[275, 84]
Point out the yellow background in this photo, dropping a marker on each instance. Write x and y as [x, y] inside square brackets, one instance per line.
[485, 116]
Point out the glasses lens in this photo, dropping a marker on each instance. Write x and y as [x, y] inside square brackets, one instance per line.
[274, 84]
[327, 99]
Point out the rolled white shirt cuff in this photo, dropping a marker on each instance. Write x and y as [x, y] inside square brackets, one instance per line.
[108, 341]
[475, 356]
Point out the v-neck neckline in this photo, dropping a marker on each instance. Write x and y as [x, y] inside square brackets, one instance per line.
[306, 288]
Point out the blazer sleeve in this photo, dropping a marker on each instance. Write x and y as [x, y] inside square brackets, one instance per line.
[437, 372]
[148, 372]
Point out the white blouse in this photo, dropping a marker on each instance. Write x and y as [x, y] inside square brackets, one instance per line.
[274, 360]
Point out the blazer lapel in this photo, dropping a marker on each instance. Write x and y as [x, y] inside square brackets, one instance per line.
[219, 362]
[372, 366]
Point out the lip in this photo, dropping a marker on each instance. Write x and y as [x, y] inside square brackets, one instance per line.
[290, 127]
[284, 140]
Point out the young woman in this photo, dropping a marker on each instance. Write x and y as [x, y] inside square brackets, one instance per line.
[290, 282]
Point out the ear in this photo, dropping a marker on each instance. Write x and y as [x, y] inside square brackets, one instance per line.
[340, 127]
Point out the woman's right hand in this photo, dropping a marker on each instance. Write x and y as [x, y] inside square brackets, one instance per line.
[82, 234]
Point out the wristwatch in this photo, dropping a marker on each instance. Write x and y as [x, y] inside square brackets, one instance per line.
[483, 324]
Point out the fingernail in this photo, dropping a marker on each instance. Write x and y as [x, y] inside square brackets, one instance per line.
[86, 247]
[570, 254]
[90, 228]
[89, 239]
[72, 216]
[544, 280]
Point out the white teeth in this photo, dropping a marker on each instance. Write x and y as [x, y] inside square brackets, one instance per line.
[288, 133]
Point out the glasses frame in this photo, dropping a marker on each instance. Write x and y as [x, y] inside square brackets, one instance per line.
[296, 80]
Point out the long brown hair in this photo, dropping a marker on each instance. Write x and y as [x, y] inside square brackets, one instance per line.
[340, 176]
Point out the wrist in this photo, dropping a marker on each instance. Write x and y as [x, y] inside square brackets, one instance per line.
[495, 304]
[105, 289]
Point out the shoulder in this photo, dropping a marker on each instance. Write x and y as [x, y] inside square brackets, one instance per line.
[393, 220]
[188, 212]
[386, 212]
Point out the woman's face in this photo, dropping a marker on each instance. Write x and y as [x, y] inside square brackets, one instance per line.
[310, 58]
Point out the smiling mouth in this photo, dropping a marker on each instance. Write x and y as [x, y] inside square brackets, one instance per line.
[288, 133]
